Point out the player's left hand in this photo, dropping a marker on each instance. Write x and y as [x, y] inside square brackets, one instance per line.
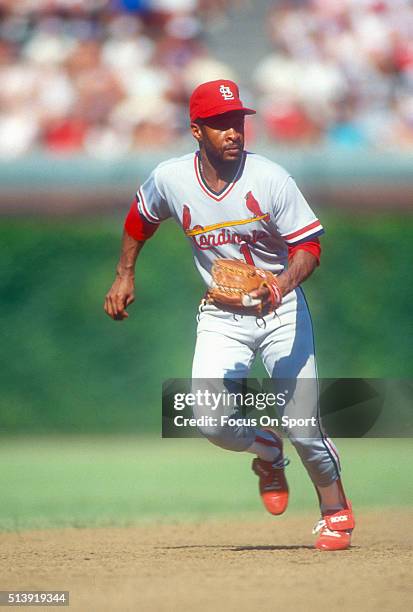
[240, 287]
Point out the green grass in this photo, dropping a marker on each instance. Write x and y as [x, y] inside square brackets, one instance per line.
[84, 481]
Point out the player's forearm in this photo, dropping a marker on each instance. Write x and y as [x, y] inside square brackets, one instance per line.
[130, 250]
[300, 268]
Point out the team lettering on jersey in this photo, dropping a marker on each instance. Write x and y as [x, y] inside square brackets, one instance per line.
[210, 236]
[256, 217]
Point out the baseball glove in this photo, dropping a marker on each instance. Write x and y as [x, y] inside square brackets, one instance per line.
[232, 282]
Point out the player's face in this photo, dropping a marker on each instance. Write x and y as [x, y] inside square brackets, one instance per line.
[221, 136]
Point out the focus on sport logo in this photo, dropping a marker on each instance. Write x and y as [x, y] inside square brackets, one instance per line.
[226, 92]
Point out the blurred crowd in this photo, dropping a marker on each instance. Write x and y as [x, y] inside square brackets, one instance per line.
[107, 77]
[341, 72]
[100, 76]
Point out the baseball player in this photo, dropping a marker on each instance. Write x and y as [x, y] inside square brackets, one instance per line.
[234, 204]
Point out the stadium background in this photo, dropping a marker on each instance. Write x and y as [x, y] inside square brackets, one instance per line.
[92, 95]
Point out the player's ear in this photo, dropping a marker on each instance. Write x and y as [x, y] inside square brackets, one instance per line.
[196, 130]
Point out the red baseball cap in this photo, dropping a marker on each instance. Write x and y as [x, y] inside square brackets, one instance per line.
[215, 98]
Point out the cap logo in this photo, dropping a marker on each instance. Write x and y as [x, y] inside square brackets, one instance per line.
[226, 92]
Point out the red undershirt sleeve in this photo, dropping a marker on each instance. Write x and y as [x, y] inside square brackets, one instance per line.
[311, 246]
[136, 226]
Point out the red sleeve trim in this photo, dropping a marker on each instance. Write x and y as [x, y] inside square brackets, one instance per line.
[145, 211]
[312, 229]
[136, 226]
[311, 246]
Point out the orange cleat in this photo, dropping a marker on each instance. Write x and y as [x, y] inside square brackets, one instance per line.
[273, 485]
[334, 530]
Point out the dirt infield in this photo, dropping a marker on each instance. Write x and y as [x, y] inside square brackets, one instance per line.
[231, 566]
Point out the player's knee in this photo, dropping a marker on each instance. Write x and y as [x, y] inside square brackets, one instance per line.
[226, 438]
[213, 433]
[219, 436]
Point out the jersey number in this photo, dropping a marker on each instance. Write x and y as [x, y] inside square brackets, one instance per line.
[245, 251]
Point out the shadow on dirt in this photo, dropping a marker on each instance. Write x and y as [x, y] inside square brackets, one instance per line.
[238, 548]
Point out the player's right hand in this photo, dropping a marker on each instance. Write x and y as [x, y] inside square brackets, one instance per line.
[118, 298]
